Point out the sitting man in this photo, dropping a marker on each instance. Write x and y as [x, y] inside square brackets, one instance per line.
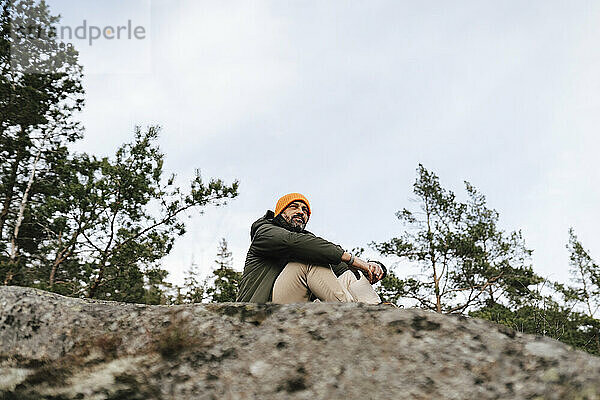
[287, 264]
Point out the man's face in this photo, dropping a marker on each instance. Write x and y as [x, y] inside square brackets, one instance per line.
[296, 214]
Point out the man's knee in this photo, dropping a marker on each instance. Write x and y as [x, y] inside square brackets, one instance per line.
[291, 284]
[360, 289]
[294, 267]
[297, 281]
[347, 278]
[293, 272]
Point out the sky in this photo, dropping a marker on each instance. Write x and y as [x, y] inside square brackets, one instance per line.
[341, 100]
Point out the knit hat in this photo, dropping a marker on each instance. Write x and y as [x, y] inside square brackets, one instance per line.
[288, 199]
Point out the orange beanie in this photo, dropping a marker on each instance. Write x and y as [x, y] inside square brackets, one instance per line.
[288, 199]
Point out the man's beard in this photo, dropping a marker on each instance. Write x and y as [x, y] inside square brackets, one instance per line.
[292, 224]
[297, 224]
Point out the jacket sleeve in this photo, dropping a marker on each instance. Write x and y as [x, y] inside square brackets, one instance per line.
[340, 268]
[276, 242]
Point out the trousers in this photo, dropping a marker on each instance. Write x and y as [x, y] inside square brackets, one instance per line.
[297, 281]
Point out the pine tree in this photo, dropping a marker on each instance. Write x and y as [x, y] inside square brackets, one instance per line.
[465, 261]
[71, 223]
[40, 93]
[132, 218]
[583, 296]
[224, 284]
[112, 220]
[194, 287]
[585, 274]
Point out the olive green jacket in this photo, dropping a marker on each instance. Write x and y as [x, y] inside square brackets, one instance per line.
[273, 246]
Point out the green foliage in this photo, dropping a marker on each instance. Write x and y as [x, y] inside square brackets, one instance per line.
[391, 288]
[464, 258]
[74, 223]
[40, 93]
[41, 78]
[357, 251]
[134, 214]
[584, 295]
[111, 221]
[195, 288]
[548, 318]
[585, 275]
[223, 286]
[469, 265]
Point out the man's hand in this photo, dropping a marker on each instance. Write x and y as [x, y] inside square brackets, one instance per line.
[374, 273]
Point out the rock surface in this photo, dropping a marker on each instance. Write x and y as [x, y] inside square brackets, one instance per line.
[54, 347]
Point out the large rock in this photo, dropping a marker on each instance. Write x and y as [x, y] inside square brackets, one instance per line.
[54, 347]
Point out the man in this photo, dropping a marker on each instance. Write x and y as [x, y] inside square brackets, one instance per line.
[287, 264]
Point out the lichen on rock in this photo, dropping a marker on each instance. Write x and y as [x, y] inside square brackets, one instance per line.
[57, 347]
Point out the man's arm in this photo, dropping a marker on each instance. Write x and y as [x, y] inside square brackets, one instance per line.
[373, 271]
[274, 241]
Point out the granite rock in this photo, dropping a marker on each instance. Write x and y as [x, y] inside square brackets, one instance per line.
[55, 347]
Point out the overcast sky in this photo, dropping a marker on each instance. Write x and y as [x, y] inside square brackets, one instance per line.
[340, 100]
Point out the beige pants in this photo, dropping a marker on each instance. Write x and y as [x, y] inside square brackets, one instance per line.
[297, 281]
